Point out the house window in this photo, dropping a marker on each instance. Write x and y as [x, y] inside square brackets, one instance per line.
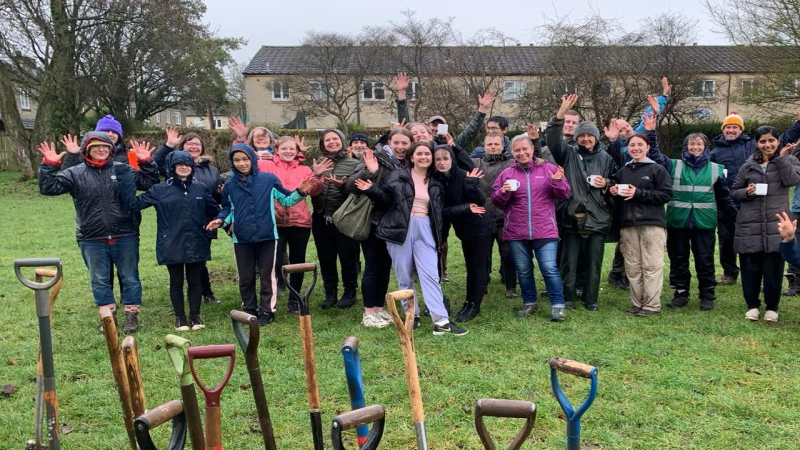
[513, 90]
[752, 88]
[790, 89]
[475, 88]
[24, 99]
[158, 117]
[374, 91]
[166, 113]
[412, 90]
[565, 87]
[703, 89]
[318, 90]
[218, 123]
[280, 90]
[604, 89]
[177, 118]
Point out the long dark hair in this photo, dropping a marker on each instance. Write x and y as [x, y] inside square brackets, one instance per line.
[410, 153]
[761, 132]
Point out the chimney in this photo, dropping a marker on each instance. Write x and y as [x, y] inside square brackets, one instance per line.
[694, 44]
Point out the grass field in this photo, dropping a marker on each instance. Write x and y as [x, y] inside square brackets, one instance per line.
[682, 380]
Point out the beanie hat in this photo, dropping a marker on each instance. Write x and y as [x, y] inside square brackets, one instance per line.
[109, 123]
[587, 128]
[93, 138]
[733, 119]
[359, 136]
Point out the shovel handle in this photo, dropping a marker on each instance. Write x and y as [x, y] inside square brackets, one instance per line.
[405, 328]
[130, 353]
[208, 352]
[515, 409]
[157, 416]
[573, 367]
[406, 333]
[248, 342]
[37, 262]
[302, 299]
[375, 414]
[299, 268]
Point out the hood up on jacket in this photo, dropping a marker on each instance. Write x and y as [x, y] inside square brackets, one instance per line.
[453, 167]
[247, 150]
[96, 136]
[696, 162]
[333, 155]
[179, 157]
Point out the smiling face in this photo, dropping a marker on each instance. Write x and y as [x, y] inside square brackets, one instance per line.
[570, 124]
[358, 146]
[587, 141]
[261, 139]
[731, 132]
[442, 160]
[522, 151]
[493, 145]
[767, 145]
[696, 146]
[332, 142]
[400, 145]
[287, 151]
[638, 148]
[194, 147]
[99, 152]
[625, 129]
[242, 163]
[421, 133]
[182, 171]
[421, 158]
[113, 136]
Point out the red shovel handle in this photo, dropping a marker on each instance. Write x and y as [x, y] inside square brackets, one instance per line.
[207, 352]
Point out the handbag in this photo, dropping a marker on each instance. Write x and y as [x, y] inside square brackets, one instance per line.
[354, 218]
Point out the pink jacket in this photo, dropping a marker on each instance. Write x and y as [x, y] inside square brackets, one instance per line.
[529, 212]
[291, 174]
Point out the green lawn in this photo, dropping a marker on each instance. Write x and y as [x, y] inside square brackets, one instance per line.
[683, 380]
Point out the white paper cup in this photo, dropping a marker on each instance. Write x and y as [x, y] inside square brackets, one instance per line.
[621, 187]
[761, 188]
[725, 172]
[592, 180]
[514, 184]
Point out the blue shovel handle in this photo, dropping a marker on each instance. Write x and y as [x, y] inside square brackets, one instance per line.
[573, 415]
[355, 383]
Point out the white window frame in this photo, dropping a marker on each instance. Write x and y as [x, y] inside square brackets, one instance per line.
[375, 89]
[705, 92]
[752, 86]
[24, 100]
[218, 123]
[412, 91]
[514, 90]
[158, 117]
[178, 117]
[319, 88]
[283, 94]
[169, 117]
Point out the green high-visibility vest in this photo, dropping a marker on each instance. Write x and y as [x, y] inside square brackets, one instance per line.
[693, 192]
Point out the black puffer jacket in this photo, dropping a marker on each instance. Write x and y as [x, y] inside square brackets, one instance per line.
[183, 209]
[653, 191]
[756, 225]
[99, 212]
[459, 192]
[492, 166]
[397, 193]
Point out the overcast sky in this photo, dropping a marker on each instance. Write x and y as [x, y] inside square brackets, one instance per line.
[286, 22]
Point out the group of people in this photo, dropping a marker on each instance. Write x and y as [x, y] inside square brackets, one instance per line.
[558, 198]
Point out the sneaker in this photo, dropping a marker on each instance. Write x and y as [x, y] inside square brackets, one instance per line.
[197, 323]
[706, 305]
[448, 328]
[527, 310]
[752, 314]
[347, 300]
[181, 324]
[633, 310]
[330, 300]
[416, 323]
[472, 312]
[726, 281]
[591, 306]
[464, 308]
[292, 306]
[771, 316]
[131, 322]
[265, 318]
[511, 293]
[569, 305]
[618, 283]
[646, 313]
[425, 311]
[445, 278]
[678, 302]
[384, 314]
[211, 298]
[374, 321]
[557, 314]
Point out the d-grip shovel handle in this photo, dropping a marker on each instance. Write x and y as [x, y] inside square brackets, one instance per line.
[208, 352]
[248, 343]
[37, 262]
[516, 409]
[300, 268]
[157, 416]
[573, 367]
[405, 328]
[375, 414]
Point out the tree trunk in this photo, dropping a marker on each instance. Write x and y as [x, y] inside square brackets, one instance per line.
[16, 132]
[211, 124]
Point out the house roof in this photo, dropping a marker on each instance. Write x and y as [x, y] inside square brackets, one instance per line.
[270, 60]
[26, 123]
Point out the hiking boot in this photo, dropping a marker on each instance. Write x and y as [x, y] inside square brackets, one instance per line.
[292, 306]
[646, 313]
[473, 311]
[619, 283]
[591, 306]
[448, 328]
[794, 286]
[771, 316]
[265, 318]
[726, 281]
[347, 300]
[511, 293]
[181, 324]
[678, 301]
[416, 323]
[197, 323]
[633, 310]
[330, 299]
[706, 305]
[527, 310]
[211, 298]
[464, 308]
[752, 314]
[131, 322]
[557, 314]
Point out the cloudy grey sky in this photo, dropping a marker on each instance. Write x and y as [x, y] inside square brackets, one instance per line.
[286, 22]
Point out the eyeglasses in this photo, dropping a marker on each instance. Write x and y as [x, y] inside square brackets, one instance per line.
[192, 144]
[259, 136]
[493, 128]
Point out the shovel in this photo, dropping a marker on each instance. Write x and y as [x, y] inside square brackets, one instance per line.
[213, 413]
[573, 415]
[118, 369]
[47, 377]
[130, 358]
[374, 414]
[504, 408]
[178, 351]
[355, 383]
[157, 416]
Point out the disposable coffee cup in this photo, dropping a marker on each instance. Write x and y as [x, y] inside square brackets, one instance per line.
[514, 184]
[761, 188]
[441, 130]
[725, 172]
[592, 180]
[621, 187]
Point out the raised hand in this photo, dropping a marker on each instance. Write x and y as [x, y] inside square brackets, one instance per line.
[567, 102]
[214, 224]
[306, 185]
[653, 101]
[338, 182]
[401, 82]
[370, 161]
[402, 123]
[649, 121]
[320, 167]
[240, 129]
[71, 143]
[143, 150]
[49, 153]
[666, 87]
[476, 209]
[485, 100]
[475, 173]
[786, 226]
[173, 137]
[557, 175]
[301, 143]
[612, 131]
[789, 148]
[363, 185]
[532, 131]
[450, 140]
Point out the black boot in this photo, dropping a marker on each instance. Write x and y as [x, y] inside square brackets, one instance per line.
[330, 299]
[347, 300]
[794, 285]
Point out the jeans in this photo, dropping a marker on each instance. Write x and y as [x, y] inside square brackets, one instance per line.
[757, 267]
[124, 254]
[193, 284]
[581, 262]
[297, 239]
[701, 243]
[377, 271]
[523, 252]
[727, 257]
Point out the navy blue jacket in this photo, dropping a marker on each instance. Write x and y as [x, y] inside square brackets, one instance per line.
[248, 204]
[183, 209]
[790, 252]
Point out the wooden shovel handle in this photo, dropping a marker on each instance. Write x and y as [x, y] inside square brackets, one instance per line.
[406, 332]
[309, 359]
[572, 367]
[299, 268]
[363, 416]
[516, 409]
[130, 353]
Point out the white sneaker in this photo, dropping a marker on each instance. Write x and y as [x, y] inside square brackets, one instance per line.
[752, 314]
[384, 314]
[374, 321]
[771, 316]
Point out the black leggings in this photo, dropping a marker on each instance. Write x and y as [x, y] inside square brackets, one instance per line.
[193, 283]
[297, 238]
[377, 270]
[757, 267]
[476, 252]
[250, 256]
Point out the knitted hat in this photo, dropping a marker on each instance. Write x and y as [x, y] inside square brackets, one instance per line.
[359, 136]
[733, 119]
[587, 128]
[109, 123]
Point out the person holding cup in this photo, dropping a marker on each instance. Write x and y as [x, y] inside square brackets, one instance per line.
[762, 186]
[527, 191]
[644, 187]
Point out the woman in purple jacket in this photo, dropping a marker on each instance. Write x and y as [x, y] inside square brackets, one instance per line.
[527, 192]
